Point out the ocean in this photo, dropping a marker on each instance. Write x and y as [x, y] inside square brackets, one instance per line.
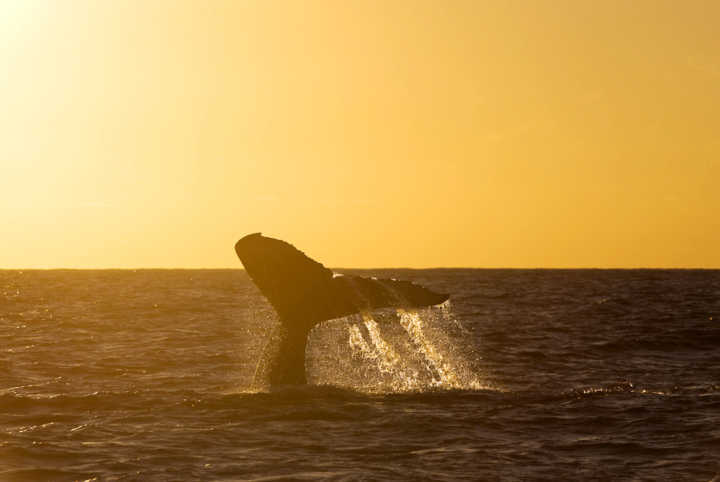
[522, 375]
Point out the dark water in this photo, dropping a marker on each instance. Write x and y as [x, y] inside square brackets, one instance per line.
[526, 375]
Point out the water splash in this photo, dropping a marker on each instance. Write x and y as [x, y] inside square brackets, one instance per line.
[381, 354]
[395, 351]
[442, 373]
[378, 350]
[388, 358]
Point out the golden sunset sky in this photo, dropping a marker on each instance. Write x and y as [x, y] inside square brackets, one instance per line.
[367, 133]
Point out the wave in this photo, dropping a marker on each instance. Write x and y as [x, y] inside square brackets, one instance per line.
[667, 341]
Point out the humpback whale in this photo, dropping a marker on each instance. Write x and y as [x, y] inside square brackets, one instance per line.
[304, 293]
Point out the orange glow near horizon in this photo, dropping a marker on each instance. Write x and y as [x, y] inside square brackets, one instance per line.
[368, 134]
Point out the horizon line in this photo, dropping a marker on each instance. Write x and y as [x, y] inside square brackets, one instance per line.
[447, 268]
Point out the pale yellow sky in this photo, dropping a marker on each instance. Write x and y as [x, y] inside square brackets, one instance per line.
[368, 133]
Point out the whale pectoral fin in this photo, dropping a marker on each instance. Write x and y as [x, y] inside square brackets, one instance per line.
[305, 293]
[371, 293]
[289, 279]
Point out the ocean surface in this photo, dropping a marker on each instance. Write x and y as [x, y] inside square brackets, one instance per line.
[522, 375]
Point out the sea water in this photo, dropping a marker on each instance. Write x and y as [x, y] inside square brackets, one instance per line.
[522, 375]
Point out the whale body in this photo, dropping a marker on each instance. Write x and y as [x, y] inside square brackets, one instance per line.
[304, 293]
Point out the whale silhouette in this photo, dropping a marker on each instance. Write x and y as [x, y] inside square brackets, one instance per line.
[305, 293]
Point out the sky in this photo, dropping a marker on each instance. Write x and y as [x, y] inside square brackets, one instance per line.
[518, 133]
